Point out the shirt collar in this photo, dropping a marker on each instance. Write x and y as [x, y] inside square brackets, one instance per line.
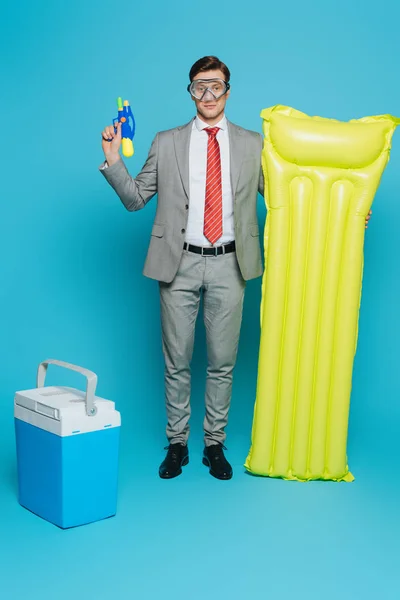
[200, 124]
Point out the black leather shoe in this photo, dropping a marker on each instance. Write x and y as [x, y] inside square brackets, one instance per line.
[215, 459]
[177, 457]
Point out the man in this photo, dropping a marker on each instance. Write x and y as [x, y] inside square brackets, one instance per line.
[204, 241]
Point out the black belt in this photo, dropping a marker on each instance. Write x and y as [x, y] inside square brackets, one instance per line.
[210, 251]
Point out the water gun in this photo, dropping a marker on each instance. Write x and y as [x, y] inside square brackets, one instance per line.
[128, 130]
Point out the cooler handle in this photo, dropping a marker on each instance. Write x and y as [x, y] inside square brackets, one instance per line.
[91, 384]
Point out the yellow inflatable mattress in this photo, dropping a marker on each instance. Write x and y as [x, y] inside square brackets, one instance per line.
[321, 176]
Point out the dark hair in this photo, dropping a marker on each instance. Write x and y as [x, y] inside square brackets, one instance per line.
[209, 63]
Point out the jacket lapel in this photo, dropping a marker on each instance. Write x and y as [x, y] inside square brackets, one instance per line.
[237, 149]
[181, 143]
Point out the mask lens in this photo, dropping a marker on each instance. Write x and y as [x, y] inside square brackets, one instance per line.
[199, 87]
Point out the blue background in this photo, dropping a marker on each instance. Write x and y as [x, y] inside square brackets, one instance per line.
[71, 288]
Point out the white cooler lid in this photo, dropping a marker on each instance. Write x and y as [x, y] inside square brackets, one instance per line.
[59, 402]
[64, 410]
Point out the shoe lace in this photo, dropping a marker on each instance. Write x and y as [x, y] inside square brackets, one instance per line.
[173, 451]
[217, 450]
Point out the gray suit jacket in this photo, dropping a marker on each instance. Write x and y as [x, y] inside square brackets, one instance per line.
[166, 173]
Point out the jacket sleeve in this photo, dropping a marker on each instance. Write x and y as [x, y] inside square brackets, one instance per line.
[134, 192]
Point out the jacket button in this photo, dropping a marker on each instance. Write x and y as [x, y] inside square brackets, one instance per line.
[183, 230]
[187, 206]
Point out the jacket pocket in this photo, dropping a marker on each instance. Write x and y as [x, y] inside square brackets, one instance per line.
[158, 230]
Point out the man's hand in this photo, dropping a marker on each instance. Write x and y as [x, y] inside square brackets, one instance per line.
[111, 143]
[367, 218]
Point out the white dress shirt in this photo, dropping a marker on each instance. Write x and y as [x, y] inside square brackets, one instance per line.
[197, 184]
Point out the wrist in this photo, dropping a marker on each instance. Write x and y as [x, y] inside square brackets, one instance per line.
[112, 159]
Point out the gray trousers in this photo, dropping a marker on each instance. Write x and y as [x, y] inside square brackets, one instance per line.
[219, 280]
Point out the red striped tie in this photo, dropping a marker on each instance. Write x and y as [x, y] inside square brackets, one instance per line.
[213, 201]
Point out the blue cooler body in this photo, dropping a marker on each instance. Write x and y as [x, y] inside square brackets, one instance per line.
[67, 451]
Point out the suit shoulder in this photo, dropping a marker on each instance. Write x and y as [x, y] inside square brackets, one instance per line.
[249, 132]
[252, 136]
[169, 132]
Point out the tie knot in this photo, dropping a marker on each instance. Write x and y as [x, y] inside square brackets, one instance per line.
[212, 131]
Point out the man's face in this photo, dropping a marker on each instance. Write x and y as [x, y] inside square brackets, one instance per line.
[210, 108]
